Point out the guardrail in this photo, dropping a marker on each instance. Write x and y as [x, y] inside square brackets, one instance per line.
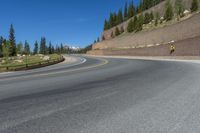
[32, 65]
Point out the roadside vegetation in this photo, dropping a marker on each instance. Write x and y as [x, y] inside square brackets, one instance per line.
[137, 20]
[15, 55]
[30, 61]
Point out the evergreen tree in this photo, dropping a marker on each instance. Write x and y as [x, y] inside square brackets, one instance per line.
[126, 11]
[119, 17]
[113, 20]
[135, 23]
[139, 25]
[147, 18]
[20, 48]
[26, 48]
[61, 48]
[12, 49]
[194, 6]
[1, 46]
[106, 25]
[179, 7]
[35, 51]
[5, 49]
[130, 27]
[53, 50]
[131, 10]
[50, 48]
[157, 18]
[140, 7]
[117, 32]
[43, 45]
[151, 16]
[169, 14]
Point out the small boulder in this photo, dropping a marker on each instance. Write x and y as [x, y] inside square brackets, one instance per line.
[46, 58]
[186, 12]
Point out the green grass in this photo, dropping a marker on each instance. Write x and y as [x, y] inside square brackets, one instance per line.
[32, 60]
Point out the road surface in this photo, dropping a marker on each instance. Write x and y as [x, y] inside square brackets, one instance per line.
[99, 95]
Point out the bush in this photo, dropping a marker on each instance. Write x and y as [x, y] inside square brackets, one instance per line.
[194, 6]
[117, 32]
[130, 27]
[139, 25]
[169, 13]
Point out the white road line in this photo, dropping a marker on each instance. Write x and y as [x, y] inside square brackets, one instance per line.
[59, 72]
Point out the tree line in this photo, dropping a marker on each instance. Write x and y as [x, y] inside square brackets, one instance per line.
[136, 23]
[9, 47]
[129, 11]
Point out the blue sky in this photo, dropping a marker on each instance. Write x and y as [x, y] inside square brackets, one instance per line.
[75, 22]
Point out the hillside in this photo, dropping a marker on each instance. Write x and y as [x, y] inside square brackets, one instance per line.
[177, 31]
[182, 30]
[160, 8]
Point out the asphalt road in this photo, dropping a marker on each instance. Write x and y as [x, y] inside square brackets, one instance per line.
[102, 96]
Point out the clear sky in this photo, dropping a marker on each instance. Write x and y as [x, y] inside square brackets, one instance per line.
[74, 22]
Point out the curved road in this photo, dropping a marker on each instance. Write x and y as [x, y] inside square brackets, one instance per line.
[102, 96]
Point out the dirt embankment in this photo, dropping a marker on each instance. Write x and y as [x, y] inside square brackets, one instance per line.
[185, 29]
[155, 42]
[186, 47]
[160, 8]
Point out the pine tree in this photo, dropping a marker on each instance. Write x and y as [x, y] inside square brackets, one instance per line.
[194, 6]
[5, 49]
[179, 7]
[117, 32]
[135, 23]
[50, 48]
[1, 46]
[61, 48]
[119, 17]
[26, 48]
[131, 10]
[12, 49]
[147, 18]
[151, 16]
[139, 25]
[169, 14]
[130, 27]
[53, 50]
[157, 19]
[43, 46]
[126, 11]
[106, 25]
[20, 48]
[35, 51]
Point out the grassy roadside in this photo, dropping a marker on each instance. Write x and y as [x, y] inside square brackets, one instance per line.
[28, 62]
